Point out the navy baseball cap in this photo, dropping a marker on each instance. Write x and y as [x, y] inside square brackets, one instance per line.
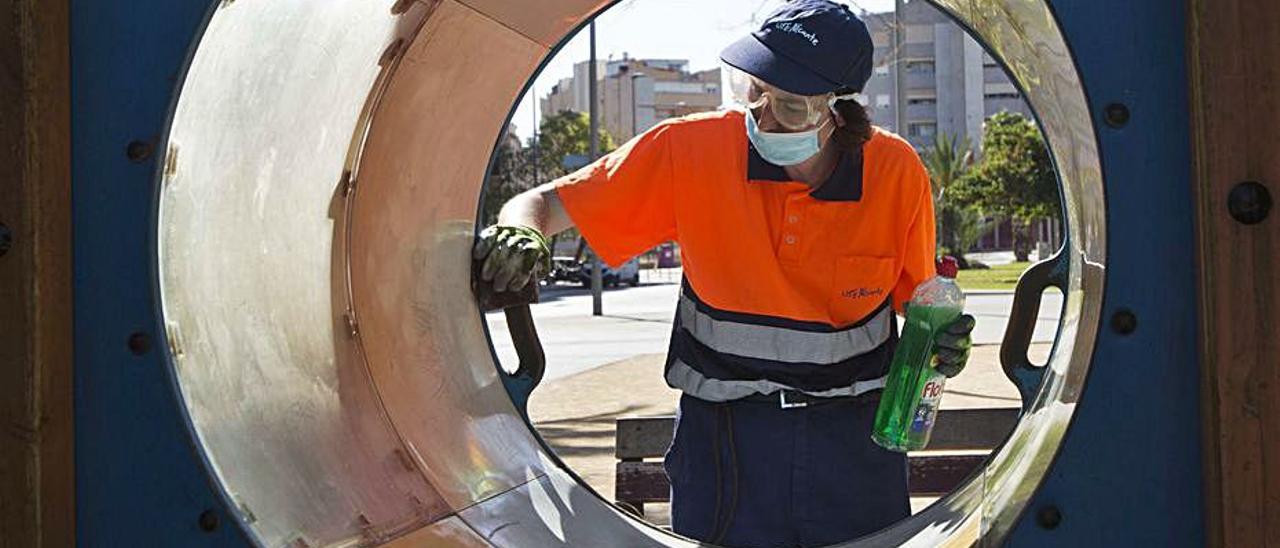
[807, 47]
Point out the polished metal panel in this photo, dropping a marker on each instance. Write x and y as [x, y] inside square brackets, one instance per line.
[413, 211]
[1024, 35]
[1026, 38]
[447, 533]
[316, 214]
[545, 21]
[555, 510]
[252, 283]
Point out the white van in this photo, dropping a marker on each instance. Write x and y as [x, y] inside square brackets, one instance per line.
[628, 273]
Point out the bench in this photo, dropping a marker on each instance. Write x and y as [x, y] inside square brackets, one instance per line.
[961, 441]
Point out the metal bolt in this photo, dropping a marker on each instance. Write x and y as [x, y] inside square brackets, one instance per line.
[139, 151]
[1249, 202]
[139, 343]
[1117, 115]
[6, 239]
[209, 521]
[1049, 517]
[1124, 322]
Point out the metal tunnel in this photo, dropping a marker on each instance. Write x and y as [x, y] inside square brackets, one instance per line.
[316, 209]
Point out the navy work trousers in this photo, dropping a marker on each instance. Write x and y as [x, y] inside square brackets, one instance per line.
[755, 474]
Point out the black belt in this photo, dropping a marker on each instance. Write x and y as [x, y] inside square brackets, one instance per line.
[792, 399]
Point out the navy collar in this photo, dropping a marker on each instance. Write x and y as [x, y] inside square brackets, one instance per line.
[844, 185]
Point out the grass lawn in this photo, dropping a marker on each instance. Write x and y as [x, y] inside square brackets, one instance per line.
[1003, 276]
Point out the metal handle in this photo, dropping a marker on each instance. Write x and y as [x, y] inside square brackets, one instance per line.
[1024, 375]
[524, 336]
[533, 362]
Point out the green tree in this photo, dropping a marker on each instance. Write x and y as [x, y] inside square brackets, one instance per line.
[563, 134]
[959, 225]
[1014, 179]
[947, 161]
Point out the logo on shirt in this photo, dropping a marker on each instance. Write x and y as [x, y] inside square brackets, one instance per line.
[862, 292]
[798, 28]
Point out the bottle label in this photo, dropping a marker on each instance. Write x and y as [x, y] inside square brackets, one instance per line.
[926, 410]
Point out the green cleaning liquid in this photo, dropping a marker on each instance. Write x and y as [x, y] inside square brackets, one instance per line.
[913, 389]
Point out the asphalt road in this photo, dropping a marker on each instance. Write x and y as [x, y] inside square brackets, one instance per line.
[638, 321]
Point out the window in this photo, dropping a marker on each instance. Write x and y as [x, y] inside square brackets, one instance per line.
[922, 100]
[919, 34]
[919, 67]
[882, 70]
[921, 129]
[882, 101]
[1003, 96]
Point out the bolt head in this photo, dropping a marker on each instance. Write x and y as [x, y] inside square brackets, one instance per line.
[1249, 203]
[209, 521]
[139, 343]
[1049, 517]
[1117, 115]
[139, 151]
[6, 239]
[1124, 322]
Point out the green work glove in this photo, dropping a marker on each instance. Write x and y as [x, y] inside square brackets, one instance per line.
[513, 257]
[953, 344]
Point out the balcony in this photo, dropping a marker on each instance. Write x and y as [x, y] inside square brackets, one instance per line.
[994, 75]
[921, 79]
[921, 113]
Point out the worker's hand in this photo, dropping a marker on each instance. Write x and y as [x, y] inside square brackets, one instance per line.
[953, 344]
[513, 256]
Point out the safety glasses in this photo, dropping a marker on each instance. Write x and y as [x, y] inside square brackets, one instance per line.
[791, 111]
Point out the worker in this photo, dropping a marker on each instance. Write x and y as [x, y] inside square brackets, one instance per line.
[803, 229]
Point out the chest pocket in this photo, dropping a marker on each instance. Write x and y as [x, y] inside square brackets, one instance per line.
[860, 285]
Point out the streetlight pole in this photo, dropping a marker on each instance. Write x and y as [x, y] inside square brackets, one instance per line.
[533, 90]
[597, 278]
[633, 102]
[899, 80]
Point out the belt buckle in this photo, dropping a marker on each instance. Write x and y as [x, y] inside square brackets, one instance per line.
[784, 404]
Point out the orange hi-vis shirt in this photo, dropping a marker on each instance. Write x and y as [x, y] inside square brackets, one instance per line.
[782, 281]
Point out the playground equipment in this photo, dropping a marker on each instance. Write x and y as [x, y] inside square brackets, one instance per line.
[264, 311]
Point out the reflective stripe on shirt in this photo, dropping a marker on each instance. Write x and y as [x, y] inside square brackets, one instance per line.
[693, 383]
[717, 355]
[781, 344]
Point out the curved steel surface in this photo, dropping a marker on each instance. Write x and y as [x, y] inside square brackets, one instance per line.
[315, 220]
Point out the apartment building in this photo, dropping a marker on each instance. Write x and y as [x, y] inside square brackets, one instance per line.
[636, 94]
[950, 85]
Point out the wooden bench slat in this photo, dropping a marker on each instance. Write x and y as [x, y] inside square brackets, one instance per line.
[641, 482]
[957, 430]
[973, 429]
[930, 475]
[643, 437]
[937, 475]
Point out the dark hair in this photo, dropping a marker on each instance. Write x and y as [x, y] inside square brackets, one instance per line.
[857, 123]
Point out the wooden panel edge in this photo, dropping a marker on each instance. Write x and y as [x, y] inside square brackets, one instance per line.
[36, 277]
[1233, 73]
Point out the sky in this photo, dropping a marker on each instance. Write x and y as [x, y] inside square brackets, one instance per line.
[662, 29]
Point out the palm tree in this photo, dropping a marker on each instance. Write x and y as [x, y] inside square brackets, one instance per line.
[958, 226]
[947, 161]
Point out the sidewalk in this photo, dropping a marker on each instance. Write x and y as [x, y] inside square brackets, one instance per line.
[576, 414]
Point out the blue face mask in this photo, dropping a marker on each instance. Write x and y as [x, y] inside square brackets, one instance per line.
[783, 149]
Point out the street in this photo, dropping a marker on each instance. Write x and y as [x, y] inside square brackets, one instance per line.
[638, 321]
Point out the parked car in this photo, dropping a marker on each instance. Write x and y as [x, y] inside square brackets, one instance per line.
[566, 269]
[629, 274]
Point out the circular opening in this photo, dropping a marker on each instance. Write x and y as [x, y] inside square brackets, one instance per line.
[603, 398]
[315, 221]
